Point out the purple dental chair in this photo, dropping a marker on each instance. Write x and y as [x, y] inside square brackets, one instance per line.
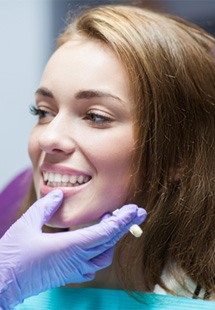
[11, 197]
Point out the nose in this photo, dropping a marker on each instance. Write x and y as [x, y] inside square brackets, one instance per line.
[56, 137]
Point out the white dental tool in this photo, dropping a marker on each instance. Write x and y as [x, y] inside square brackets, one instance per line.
[135, 229]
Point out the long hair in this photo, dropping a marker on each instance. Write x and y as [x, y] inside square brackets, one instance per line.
[171, 69]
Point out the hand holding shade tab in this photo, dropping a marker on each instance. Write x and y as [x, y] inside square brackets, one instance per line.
[135, 230]
[32, 261]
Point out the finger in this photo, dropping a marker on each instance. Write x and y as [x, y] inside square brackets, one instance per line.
[80, 277]
[120, 223]
[88, 277]
[110, 229]
[106, 216]
[92, 252]
[103, 260]
[112, 242]
[98, 262]
[43, 209]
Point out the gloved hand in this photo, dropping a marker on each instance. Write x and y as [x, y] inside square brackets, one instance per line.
[32, 261]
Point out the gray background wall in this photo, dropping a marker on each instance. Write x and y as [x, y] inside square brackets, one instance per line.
[24, 48]
[28, 29]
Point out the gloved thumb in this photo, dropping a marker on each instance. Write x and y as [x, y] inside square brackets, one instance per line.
[106, 216]
[43, 209]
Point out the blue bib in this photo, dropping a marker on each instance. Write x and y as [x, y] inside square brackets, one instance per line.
[105, 299]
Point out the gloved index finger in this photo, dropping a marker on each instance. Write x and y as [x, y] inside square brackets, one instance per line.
[110, 229]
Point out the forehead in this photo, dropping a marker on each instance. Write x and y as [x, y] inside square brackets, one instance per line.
[82, 54]
[84, 63]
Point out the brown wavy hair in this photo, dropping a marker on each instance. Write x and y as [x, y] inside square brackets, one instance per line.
[171, 68]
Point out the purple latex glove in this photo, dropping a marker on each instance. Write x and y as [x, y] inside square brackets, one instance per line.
[32, 261]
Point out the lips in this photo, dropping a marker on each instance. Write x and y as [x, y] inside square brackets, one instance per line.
[53, 179]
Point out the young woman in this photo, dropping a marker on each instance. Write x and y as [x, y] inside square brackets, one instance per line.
[126, 115]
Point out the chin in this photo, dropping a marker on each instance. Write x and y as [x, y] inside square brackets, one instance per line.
[61, 221]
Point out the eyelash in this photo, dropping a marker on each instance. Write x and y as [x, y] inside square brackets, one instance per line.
[90, 116]
[38, 112]
[103, 119]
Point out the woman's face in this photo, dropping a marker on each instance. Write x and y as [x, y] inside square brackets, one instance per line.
[83, 142]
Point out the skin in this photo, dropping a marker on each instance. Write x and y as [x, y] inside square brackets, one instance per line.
[84, 128]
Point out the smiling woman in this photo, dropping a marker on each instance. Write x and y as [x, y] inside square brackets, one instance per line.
[83, 133]
[125, 113]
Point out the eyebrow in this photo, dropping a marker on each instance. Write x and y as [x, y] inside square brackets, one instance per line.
[90, 94]
[82, 94]
[44, 92]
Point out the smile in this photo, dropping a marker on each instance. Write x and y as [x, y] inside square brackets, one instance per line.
[64, 180]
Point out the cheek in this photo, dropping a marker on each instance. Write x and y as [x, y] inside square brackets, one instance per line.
[113, 160]
[117, 155]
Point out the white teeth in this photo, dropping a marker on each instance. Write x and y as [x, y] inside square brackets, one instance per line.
[73, 179]
[57, 177]
[80, 179]
[64, 180]
[45, 176]
[51, 177]
[86, 179]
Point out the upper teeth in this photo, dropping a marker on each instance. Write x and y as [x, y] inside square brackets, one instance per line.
[57, 179]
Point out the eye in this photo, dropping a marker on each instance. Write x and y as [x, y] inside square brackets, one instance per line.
[41, 113]
[98, 119]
